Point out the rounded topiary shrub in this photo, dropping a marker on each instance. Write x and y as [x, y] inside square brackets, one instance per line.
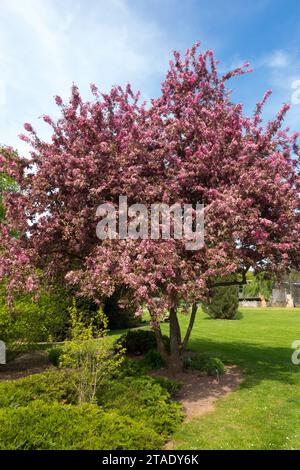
[139, 341]
[223, 304]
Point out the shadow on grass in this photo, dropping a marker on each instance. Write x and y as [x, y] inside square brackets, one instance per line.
[144, 325]
[260, 362]
[238, 316]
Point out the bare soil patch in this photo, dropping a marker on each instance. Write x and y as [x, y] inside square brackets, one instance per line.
[27, 364]
[199, 393]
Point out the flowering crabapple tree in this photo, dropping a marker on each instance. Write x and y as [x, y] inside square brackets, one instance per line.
[191, 145]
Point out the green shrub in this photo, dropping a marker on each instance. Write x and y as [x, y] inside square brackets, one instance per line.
[50, 386]
[205, 364]
[55, 356]
[223, 304]
[139, 341]
[53, 426]
[42, 412]
[94, 360]
[121, 313]
[33, 320]
[171, 386]
[144, 398]
[132, 368]
[153, 360]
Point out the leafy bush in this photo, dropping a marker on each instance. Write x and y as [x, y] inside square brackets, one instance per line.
[33, 320]
[54, 426]
[171, 386]
[205, 364]
[132, 368]
[153, 360]
[94, 360]
[144, 398]
[55, 356]
[42, 412]
[139, 341]
[50, 386]
[121, 313]
[223, 304]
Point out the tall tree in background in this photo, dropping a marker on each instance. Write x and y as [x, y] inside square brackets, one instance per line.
[259, 285]
[192, 144]
[7, 184]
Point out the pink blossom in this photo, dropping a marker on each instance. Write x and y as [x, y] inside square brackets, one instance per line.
[58, 100]
[28, 127]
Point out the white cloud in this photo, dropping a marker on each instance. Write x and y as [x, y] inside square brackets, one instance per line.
[2, 94]
[277, 59]
[46, 45]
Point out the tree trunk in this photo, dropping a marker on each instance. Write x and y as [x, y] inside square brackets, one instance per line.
[176, 360]
[161, 345]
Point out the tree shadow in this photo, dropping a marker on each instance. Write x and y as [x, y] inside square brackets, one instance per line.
[239, 316]
[258, 361]
[143, 325]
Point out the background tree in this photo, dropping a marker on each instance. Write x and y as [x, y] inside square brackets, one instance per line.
[7, 184]
[223, 303]
[192, 144]
[259, 285]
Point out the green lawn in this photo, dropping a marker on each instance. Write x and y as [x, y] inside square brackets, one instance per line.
[264, 413]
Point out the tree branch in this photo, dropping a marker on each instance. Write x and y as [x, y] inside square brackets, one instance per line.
[190, 327]
[230, 283]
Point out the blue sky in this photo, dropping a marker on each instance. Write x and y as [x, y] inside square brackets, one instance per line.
[46, 45]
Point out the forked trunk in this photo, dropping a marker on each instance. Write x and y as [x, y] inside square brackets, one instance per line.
[174, 357]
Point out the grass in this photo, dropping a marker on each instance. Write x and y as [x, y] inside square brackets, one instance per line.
[264, 413]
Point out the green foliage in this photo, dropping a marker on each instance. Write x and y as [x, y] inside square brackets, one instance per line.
[171, 386]
[153, 360]
[258, 285]
[50, 426]
[7, 184]
[139, 341]
[55, 356]
[206, 364]
[50, 386]
[42, 412]
[120, 311]
[223, 303]
[132, 368]
[34, 320]
[143, 398]
[94, 360]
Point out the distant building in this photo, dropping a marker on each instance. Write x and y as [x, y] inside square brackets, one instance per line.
[248, 301]
[285, 294]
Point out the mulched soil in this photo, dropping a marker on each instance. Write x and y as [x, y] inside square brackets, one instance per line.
[199, 393]
[27, 364]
